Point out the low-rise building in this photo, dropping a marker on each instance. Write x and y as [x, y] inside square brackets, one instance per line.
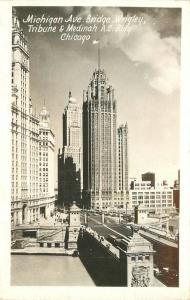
[155, 199]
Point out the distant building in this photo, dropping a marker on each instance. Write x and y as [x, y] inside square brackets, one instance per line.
[149, 177]
[153, 199]
[176, 198]
[46, 163]
[176, 192]
[70, 160]
[123, 166]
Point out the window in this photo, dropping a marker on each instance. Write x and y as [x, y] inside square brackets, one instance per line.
[133, 258]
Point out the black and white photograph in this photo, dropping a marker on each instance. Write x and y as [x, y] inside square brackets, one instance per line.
[95, 165]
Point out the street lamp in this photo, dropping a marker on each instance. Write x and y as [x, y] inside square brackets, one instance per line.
[126, 210]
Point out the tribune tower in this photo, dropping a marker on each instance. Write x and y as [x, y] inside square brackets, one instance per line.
[99, 143]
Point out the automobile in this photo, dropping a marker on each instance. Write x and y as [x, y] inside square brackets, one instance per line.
[128, 226]
[113, 240]
[166, 269]
[156, 270]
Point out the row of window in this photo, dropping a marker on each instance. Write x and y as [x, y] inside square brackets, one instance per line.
[140, 257]
[43, 174]
[43, 143]
[44, 169]
[44, 153]
[152, 193]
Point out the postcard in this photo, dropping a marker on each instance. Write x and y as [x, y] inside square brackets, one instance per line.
[95, 149]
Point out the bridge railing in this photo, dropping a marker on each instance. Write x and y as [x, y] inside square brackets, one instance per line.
[107, 245]
[49, 234]
[159, 234]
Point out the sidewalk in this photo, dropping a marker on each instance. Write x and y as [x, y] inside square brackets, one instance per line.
[51, 221]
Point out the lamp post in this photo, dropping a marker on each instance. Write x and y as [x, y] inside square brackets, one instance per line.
[126, 210]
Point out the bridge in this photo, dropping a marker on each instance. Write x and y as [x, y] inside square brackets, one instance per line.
[151, 231]
[108, 264]
[159, 238]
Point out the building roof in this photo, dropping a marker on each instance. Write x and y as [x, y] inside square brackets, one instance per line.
[137, 243]
[44, 118]
[44, 112]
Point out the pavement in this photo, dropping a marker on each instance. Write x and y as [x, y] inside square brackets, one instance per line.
[55, 220]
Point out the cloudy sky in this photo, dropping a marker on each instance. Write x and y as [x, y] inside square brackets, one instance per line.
[143, 66]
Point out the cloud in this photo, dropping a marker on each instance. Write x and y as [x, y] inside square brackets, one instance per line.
[161, 55]
[145, 44]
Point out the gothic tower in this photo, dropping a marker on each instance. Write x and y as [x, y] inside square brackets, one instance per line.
[99, 143]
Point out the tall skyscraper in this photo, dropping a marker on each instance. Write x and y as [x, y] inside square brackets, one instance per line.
[123, 166]
[70, 161]
[24, 131]
[46, 163]
[25, 198]
[100, 143]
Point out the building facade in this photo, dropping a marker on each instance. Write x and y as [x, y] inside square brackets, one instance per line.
[153, 199]
[70, 161]
[140, 185]
[25, 201]
[123, 165]
[46, 164]
[102, 186]
[99, 147]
